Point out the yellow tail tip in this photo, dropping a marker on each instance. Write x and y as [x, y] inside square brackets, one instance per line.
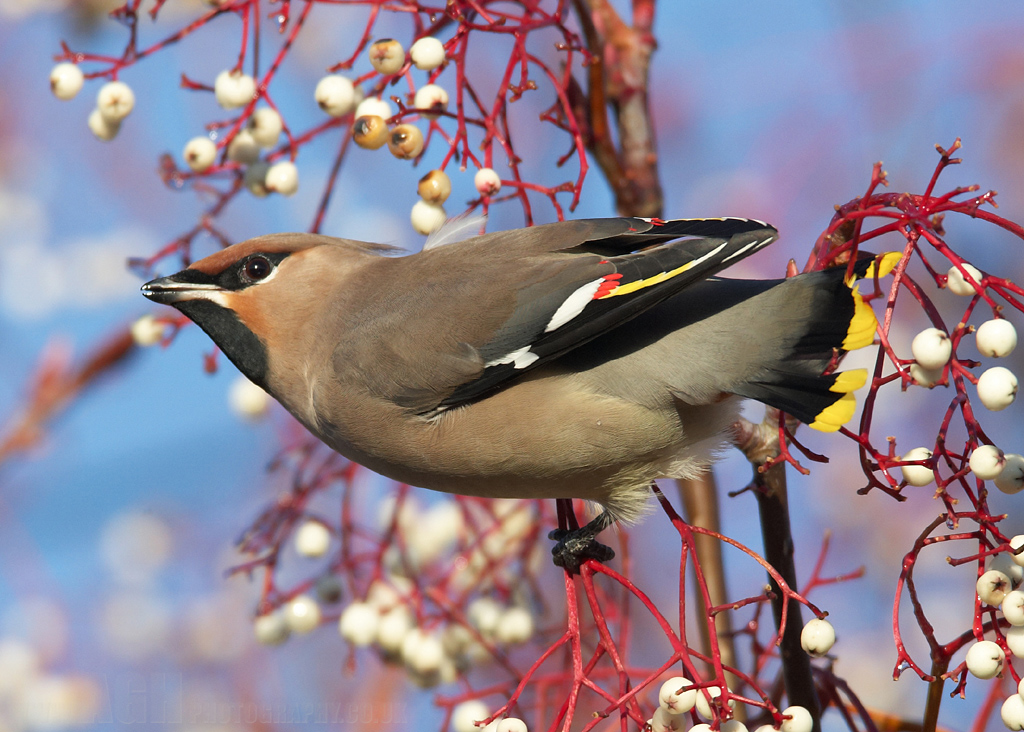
[847, 381]
[863, 324]
[883, 264]
[834, 416]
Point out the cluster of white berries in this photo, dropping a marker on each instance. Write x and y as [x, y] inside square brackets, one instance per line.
[468, 713]
[677, 697]
[339, 96]
[435, 651]
[999, 586]
[430, 654]
[429, 536]
[302, 614]
[932, 348]
[114, 102]
[262, 132]
[987, 462]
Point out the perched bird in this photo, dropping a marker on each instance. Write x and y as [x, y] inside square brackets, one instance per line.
[580, 359]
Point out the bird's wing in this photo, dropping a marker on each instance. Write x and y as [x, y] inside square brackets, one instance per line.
[595, 275]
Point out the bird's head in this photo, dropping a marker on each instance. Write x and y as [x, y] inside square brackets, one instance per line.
[262, 299]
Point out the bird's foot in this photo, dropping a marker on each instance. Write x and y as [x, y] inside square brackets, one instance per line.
[576, 546]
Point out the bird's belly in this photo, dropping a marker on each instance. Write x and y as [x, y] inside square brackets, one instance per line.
[540, 438]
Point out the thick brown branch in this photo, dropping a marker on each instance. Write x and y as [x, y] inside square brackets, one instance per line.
[760, 444]
[619, 77]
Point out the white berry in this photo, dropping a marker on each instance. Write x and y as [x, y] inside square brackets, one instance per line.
[997, 388]
[200, 153]
[101, 127]
[985, 659]
[664, 721]
[1013, 607]
[1017, 541]
[422, 651]
[992, 587]
[255, 178]
[393, 627]
[917, 475]
[387, 593]
[957, 284]
[800, 720]
[987, 462]
[485, 614]
[511, 724]
[266, 126]
[1012, 712]
[302, 614]
[336, 95]
[1010, 481]
[487, 181]
[243, 148]
[375, 107]
[248, 400]
[271, 629]
[431, 97]
[931, 348]
[148, 331]
[1003, 561]
[283, 178]
[817, 637]
[923, 376]
[1015, 640]
[514, 626]
[358, 623]
[467, 714]
[427, 53]
[66, 81]
[234, 89]
[312, 539]
[387, 55]
[701, 703]
[675, 701]
[115, 101]
[996, 338]
[426, 217]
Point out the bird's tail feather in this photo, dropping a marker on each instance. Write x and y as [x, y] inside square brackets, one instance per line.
[841, 322]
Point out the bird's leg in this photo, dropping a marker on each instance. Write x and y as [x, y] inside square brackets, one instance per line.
[575, 546]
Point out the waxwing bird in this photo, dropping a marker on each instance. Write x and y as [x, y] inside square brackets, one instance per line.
[580, 359]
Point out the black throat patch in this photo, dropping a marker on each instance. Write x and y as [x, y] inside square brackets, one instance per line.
[244, 349]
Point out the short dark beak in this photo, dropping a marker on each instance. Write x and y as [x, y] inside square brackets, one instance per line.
[178, 287]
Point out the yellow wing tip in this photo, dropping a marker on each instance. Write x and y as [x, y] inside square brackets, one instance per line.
[863, 324]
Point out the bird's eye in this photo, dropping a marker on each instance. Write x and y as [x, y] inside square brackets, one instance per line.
[257, 268]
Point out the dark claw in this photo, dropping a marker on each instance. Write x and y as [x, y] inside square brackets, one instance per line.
[577, 546]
